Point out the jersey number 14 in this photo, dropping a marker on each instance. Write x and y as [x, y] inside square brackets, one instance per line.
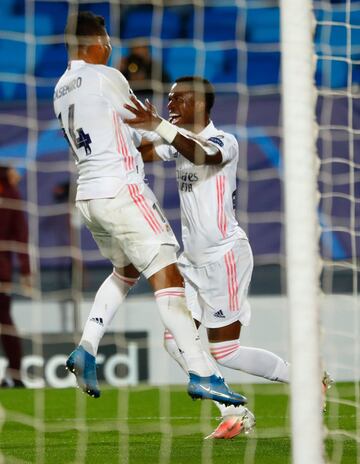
[79, 140]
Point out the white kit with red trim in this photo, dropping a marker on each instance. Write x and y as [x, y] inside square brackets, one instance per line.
[222, 350]
[145, 208]
[209, 226]
[89, 102]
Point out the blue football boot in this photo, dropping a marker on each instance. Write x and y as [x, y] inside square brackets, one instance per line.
[213, 388]
[83, 365]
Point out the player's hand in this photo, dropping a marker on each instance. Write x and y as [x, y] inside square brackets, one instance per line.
[146, 115]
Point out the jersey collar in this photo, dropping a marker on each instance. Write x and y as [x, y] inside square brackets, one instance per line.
[75, 64]
[208, 131]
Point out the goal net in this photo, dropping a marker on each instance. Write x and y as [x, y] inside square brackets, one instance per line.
[236, 44]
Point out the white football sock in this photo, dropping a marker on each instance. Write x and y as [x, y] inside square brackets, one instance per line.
[107, 301]
[177, 319]
[173, 350]
[255, 361]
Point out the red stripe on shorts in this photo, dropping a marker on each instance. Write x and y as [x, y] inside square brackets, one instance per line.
[236, 283]
[232, 280]
[140, 202]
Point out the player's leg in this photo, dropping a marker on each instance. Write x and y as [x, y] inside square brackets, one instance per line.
[235, 419]
[226, 309]
[107, 301]
[151, 246]
[10, 342]
[169, 291]
[170, 344]
[126, 222]
[226, 349]
[133, 222]
[167, 283]
[112, 292]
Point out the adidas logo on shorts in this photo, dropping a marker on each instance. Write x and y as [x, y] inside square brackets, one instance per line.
[219, 314]
[98, 320]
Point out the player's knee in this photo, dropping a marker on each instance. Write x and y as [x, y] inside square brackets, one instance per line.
[173, 276]
[163, 271]
[164, 263]
[127, 272]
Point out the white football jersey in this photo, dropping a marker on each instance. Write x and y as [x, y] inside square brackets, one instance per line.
[88, 101]
[209, 226]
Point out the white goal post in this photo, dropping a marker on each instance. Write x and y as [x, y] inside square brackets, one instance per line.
[302, 227]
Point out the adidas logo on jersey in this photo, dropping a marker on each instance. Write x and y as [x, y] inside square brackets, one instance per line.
[98, 320]
[219, 314]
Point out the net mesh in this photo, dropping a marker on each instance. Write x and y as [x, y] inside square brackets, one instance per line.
[337, 48]
[236, 45]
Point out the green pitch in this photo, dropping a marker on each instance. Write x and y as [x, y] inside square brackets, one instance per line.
[150, 425]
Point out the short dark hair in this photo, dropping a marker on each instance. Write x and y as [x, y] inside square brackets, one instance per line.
[84, 23]
[201, 85]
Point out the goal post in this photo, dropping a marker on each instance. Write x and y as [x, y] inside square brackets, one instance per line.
[302, 227]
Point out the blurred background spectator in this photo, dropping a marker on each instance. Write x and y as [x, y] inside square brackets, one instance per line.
[140, 68]
[13, 240]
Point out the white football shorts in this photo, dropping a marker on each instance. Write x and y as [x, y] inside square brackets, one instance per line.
[216, 293]
[131, 228]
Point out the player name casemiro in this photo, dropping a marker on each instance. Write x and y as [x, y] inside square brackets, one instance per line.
[65, 89]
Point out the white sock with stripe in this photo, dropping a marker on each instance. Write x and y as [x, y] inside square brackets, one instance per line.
[173, 350]
[177, 319]
[255, 361]
[171, 347]
[107, 301]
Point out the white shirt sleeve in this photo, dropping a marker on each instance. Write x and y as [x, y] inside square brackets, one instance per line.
[116, 89]
[223, 142]
[226, 143]
[136, 136]
[166, 152]
[151, 136]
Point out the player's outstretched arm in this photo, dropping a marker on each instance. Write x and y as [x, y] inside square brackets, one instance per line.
[147, 118]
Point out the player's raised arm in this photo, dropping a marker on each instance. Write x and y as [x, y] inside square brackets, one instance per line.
[147, 118]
